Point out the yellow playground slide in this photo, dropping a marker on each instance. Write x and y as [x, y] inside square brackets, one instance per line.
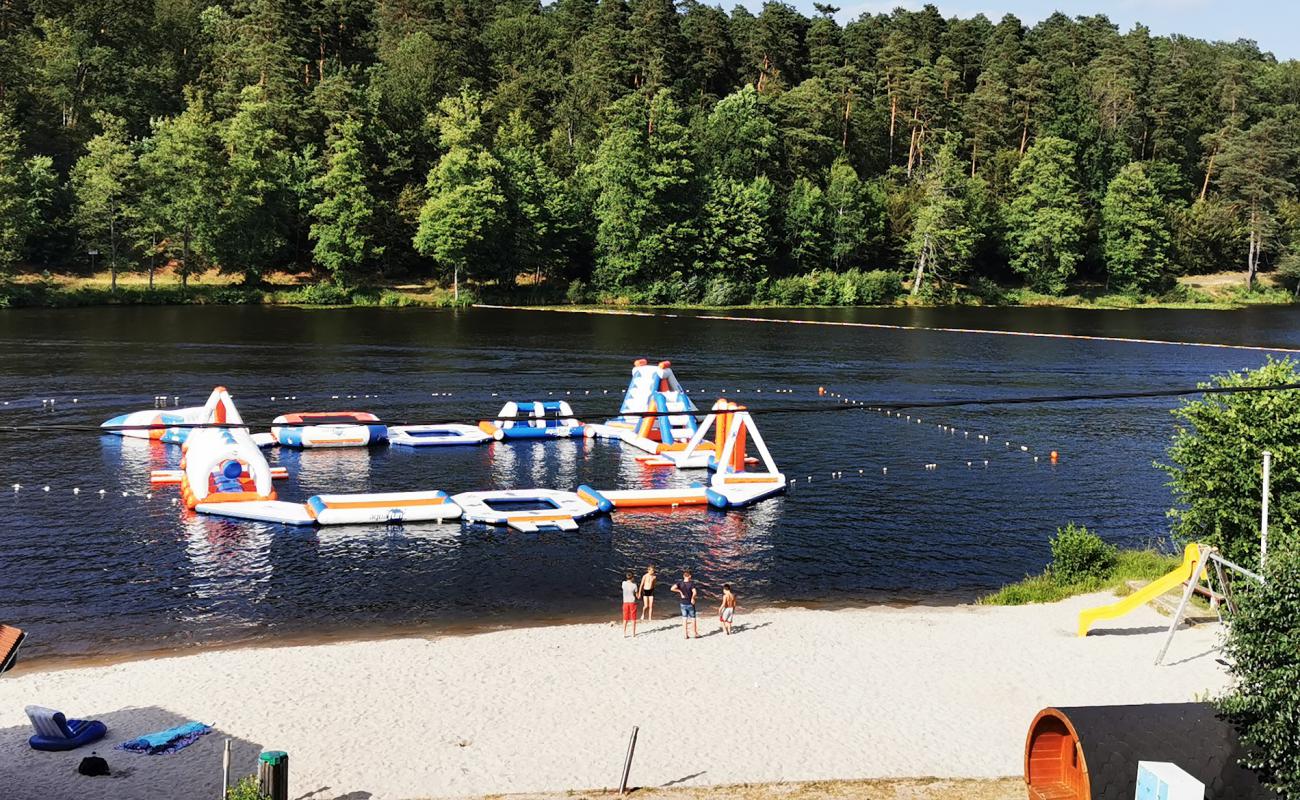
[1089, 616]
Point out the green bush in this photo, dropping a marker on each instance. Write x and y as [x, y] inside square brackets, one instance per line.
[722, 292]
[577, 293]
[1079, 555]
[1264, 658]
[245, 789]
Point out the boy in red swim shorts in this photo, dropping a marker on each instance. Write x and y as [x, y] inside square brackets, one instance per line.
[629, 604]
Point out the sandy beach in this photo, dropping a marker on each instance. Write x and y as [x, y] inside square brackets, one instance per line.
[794, 695]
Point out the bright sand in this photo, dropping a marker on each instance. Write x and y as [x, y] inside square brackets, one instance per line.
[792, 695]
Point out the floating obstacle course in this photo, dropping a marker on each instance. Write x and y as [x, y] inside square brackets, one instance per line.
[656, 416]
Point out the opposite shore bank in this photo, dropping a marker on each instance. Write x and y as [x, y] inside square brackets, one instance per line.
[1222, 291]
[794, 695]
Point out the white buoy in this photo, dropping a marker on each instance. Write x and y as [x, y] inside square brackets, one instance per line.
[45, 488]
[75, 490]
[884, 470]
[17, 486]
[102, 492]
[148, 495]
[124, 494]
[1024, 448]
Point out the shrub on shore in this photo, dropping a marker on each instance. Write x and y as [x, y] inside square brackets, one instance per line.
[1079, 555]
[1265, 662]
[1083, 568]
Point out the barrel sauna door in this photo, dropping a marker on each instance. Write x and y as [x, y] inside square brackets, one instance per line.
[1055, 769]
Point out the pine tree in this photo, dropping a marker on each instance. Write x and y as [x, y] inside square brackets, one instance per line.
[461, 224]
[102, 183]
[341, 221]
[1253, 169]
[1134, 231]
[1045, 221]
[943, 240]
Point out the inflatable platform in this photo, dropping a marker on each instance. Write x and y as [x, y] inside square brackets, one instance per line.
[156, 417]
[533, 420]
[526, 510]
[328, 429]
[436, 435]
[390, 508]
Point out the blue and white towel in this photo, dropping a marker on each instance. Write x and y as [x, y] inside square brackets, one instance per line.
[168, 741]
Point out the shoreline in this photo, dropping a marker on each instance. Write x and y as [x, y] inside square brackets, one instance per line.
[798, 695]
[439, 630]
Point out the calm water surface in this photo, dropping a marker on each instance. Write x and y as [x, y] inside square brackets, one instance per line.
[87, 574]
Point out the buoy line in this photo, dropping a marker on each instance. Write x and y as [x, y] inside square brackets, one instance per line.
[894, 327]
[857, 405]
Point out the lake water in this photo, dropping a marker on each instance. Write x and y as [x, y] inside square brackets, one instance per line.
[91, 574]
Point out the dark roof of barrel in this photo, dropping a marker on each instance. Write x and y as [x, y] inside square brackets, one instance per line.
[1191, 735]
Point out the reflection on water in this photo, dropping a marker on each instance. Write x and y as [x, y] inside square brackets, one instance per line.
[87, 572]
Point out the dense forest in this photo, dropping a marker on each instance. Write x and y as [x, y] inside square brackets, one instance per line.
[650, 150]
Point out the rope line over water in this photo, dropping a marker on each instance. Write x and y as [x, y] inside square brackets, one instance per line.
[821, 408]
[895, 327]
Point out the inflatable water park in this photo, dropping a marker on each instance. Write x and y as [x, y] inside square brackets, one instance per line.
[224, 470]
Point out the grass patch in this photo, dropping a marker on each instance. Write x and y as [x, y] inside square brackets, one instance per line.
[1130, 565]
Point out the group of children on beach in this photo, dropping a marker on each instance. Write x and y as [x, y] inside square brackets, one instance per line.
[687, 592]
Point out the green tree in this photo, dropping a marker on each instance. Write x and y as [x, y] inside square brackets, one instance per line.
[739, 240]
[1134, 231]
[1254, 170]
[541, 220]
[1264, 662]
[254, 199]
[461, 223]
[851, 215]
[14, 219]
[1045, 221]
[739, 141]
[808, 234]
[1214, 463]
[341, 221]
[645, 208]
[180, 166]
[101, 181]
[943, 240]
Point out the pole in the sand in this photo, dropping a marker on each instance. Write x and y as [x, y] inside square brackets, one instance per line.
[273, 775]
[225, 770]
[627, 762]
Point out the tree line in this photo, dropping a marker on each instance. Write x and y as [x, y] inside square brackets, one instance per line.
[649, 149]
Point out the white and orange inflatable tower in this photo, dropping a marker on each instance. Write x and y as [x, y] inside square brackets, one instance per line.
[223, 464]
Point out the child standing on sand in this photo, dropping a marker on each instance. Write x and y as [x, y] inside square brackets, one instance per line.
[685, 589]
[629, 604]
[648, 593]
[727, 610]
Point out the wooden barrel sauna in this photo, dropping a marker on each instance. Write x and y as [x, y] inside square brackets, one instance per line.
[1092, 752]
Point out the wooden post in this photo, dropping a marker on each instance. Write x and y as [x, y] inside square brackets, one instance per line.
[225, 770]
[273, 775]
[627, 762]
